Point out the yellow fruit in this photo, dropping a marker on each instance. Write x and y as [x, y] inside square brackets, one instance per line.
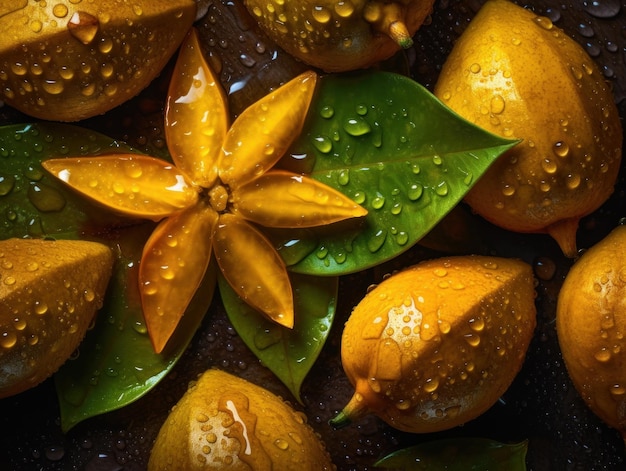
[49, 293]
[338, 35]
[591, 322]
[435, 345]
[67, 60]
[516, 74]
[225, 422]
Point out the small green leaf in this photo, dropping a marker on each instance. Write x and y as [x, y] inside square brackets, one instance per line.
[116, 363]
[401, 154]
[288, 353]
[32, 202]
[458, 454]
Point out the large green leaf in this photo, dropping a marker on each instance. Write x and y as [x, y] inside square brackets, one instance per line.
[459, 454]
[116, 364]
[288, 353]
[390, 145]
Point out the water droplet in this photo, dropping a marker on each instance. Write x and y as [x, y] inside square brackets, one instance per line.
[497, 104]
[323, 144]
[357, 127]
[45, 198]
[344, 177]
[603, 355]
[617, 390]
[475, 68]
[344, 8]
[415, 192]
[327, 112]
[431, 385]
[544, 22]
[442, 189]
[561, 149]
[83, 26]
[7, 184]
[321, 14]
[472, 339]
[60, 10]
[281, 444]
[377, 240]
[8, 339]
[40, 308]
[602, 8]
[378, 202]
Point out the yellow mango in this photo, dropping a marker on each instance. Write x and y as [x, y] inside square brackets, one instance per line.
[515, 74]
[49, 293]
[67, 60]
[435, 345]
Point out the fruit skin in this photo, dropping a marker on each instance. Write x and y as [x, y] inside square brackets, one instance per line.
[67, 60]
[435, 345]
[515, 74]
[49, 293]
[590, 324]
[223, 421]
[340, 35]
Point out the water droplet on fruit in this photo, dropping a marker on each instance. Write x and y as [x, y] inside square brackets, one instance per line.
[603, 355]
[83, 26]
[321, 14]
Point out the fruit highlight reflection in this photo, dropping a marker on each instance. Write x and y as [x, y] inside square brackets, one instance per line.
[221, 186]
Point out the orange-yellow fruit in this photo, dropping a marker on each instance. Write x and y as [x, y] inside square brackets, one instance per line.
[49, 293]
[436, 345]
[516, 74]
[67, 60]
[591, 322]
[225, 422]
[340, 35]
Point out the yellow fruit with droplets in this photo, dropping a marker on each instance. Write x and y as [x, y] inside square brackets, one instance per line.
[516, 74]
[66, 60]
[340, 35]
[437, 344]
[590, 323]
[225, 422]
[49, 293]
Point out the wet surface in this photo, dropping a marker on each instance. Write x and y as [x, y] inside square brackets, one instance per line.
[541, 405]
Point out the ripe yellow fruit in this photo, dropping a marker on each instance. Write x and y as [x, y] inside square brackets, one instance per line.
[436, 345]
[338, 35]
[67, 60]
[591, 322]
[49, 293]
[516, 74]
[225, 422]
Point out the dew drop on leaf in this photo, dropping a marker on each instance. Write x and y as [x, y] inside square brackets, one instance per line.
[377, 240]
[6, 184]
[357, 127]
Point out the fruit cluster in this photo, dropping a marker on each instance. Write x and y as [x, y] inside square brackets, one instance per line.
[240, 207]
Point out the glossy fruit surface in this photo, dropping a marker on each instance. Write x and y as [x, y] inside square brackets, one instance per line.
[49, 293]
[340, 35]
[68, 60]
[435, 345]
[225, 422]
[591, 320]
[514, 73]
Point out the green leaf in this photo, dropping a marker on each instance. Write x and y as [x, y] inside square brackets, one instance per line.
[116, 363]
[32, 202]
[459, 454]
[390, 145]
[288, 353]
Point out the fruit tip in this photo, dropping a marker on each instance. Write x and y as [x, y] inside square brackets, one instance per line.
[564, 233]
[400, 34]
[340, 421]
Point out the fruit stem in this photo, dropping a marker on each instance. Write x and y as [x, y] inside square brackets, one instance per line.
[388, 18]
[354, 409]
